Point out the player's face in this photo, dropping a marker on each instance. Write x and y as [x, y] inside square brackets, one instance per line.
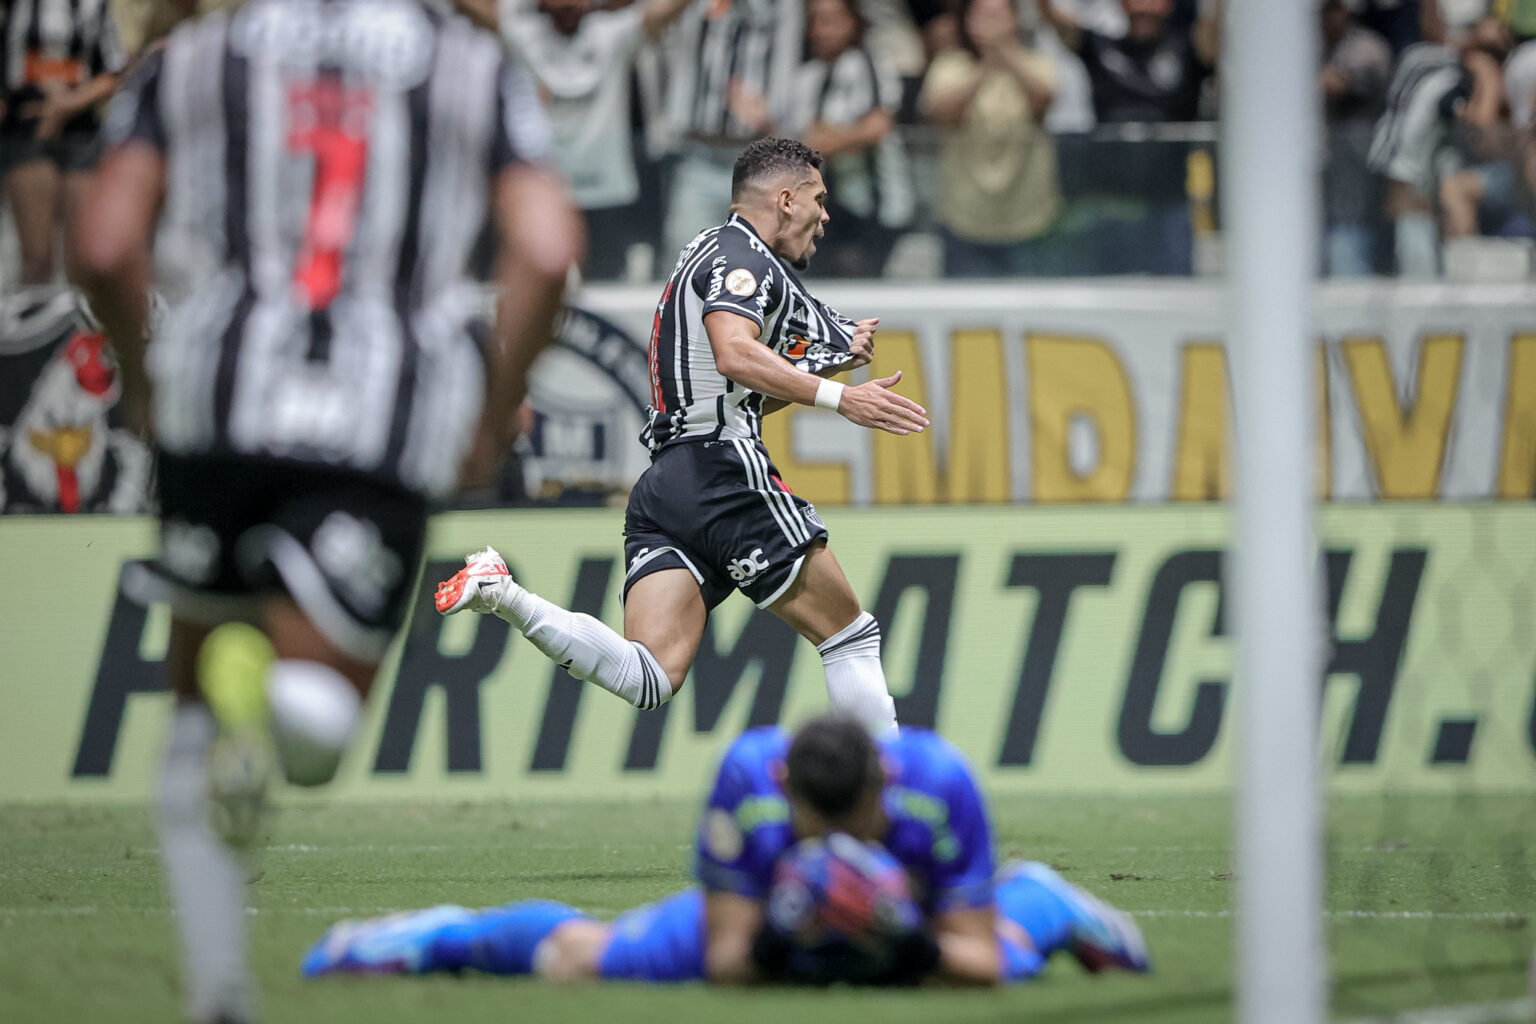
[807, 220]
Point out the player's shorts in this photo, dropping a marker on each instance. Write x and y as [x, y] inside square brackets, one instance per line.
[235, 530]
[658, 942]
[719, 510]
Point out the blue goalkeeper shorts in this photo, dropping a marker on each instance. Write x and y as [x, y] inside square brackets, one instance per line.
[658, 942]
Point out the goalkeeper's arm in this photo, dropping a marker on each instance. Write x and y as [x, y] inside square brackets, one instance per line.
[968, 953]
[731, 924]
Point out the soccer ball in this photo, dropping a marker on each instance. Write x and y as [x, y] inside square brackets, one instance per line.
[842, 907]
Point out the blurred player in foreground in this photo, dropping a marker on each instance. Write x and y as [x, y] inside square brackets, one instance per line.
[313, 174]
[736, 336]
[913, 793]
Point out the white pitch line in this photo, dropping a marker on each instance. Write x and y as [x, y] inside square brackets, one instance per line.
[1361, 915]
[1511, 1012]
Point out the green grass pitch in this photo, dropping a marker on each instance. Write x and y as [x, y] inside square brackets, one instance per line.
[1427, 903]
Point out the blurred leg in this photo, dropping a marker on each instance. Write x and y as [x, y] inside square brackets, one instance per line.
[33, 190]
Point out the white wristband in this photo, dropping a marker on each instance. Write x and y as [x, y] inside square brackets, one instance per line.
[829, 393]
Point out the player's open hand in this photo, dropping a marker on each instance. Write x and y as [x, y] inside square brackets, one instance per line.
[862, 345]
[873, 404]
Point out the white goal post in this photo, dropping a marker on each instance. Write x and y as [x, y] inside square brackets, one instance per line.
[1269, 164]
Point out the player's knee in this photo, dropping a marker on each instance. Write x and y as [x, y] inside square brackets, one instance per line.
[314, 711]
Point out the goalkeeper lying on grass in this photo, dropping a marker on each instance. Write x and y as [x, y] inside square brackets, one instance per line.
[767, 909]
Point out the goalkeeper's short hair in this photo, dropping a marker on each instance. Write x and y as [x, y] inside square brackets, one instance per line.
[832, 762]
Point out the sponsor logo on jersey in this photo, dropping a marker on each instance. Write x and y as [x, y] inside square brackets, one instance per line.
[716, 279]
[748, 568]
[740, 282]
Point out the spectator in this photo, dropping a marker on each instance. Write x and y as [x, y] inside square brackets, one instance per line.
[997, 167]
[1155, 72]
[1356, 66]
[1479, 195]
[59, 59]
[1434, 88]
[845, 106]
[583, 58]
[731, 67]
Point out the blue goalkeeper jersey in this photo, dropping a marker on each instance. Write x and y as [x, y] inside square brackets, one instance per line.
[938, 827]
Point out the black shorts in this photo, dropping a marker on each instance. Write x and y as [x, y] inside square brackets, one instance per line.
[719, 510]
[70, 150]
[233, 531]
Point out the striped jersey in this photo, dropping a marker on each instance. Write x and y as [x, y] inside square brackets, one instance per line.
[722, 44]
[730, 268]
[328, 166]
[50, 42]
[873, 183]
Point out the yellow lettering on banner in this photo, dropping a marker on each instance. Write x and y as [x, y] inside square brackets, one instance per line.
[1407, 451]
[906, 472]
[1202, 464]
[1325, 428]
[1517, 460]
[1074, 379]
[820, 483]
[977, 467]
[975, 471]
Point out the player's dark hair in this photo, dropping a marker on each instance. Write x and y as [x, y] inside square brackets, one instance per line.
[831, 763]
[770, 156]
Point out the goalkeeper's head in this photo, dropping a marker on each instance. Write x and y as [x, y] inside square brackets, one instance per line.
[833, 778]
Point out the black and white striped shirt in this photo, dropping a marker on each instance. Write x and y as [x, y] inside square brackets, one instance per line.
[730, 268]
[755, 43]
[874, 183]
[67, 41]
[328, 168]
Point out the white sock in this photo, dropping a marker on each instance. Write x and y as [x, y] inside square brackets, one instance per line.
[206, 877]
[314, 712]
[855, 680]
[587, 649]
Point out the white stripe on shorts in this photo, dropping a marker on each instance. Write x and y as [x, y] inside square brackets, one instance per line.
[784, 511]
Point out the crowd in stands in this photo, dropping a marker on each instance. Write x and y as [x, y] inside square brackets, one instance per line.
[968, 138]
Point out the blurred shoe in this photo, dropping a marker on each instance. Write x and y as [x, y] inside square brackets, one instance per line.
[397, 944]
[1102, 937]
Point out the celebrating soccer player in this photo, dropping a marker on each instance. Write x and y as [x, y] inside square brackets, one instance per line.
[912, 793]
[736, 335]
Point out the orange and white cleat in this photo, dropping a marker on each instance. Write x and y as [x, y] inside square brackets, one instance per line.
[483, 585]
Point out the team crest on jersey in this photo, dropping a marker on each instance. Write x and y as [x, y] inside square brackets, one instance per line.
[740, 282]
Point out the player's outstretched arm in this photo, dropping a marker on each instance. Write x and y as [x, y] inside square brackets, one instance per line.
[740, 357]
